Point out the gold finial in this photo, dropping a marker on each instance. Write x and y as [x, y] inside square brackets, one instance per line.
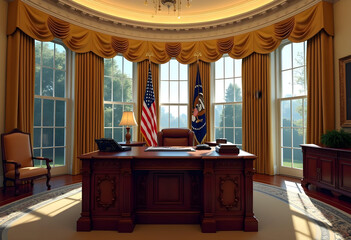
[149, 54]
[197, 54]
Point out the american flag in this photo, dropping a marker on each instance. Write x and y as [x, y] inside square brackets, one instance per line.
[148, 124]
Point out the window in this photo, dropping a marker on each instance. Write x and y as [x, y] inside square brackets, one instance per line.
[292, 103]
[174, 98]
[50, 102]
[228, 100]
[118, 95]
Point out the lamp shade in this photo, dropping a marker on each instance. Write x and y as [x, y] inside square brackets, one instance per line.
[128, 119]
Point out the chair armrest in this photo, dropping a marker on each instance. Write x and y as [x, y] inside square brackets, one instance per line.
[47, 161]
[17, 164]
[43, 159]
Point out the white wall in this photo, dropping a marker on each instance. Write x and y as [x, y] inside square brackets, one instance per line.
[342, 45]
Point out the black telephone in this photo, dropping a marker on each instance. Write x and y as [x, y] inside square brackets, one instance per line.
[110, 145]
[203, 147]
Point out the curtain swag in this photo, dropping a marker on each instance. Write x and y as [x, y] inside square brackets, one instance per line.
[44, 27]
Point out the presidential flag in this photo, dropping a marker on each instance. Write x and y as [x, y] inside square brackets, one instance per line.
[148, 123]
[198, 119]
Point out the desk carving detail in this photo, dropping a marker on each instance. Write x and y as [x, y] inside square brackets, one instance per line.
[229, 192]
[106, 192]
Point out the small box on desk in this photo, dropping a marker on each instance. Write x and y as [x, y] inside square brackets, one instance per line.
[227, 148]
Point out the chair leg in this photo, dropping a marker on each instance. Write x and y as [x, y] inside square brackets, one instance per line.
[47, 181]
[16, 188]
[32, 182]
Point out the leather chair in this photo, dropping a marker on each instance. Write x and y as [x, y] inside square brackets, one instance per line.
[17, 160]
[175, 137]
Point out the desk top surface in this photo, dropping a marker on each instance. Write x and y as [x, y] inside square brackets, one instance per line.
[140, 153]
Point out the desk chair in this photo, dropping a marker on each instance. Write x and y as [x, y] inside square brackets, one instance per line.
[175, 137]
[17, 160]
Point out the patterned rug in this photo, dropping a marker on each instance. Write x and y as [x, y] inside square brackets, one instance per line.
[328, 222]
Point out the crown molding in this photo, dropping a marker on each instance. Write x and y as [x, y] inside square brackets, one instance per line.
[269, 14]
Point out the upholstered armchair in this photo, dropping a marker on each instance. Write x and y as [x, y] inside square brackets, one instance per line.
[175, 137]
[17, 159]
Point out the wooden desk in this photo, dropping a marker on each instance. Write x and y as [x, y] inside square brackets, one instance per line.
[126, 188]
[133, 144]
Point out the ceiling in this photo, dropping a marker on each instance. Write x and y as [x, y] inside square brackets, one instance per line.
[203, 20]
[199, 10]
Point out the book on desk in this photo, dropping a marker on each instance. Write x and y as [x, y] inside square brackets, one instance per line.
[227, 148]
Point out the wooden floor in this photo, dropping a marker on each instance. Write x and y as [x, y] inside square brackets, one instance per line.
[292, 184]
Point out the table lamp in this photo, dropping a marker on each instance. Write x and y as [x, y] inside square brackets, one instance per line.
[128, 120]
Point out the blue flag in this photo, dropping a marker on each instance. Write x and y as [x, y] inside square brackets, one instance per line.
[198, 119]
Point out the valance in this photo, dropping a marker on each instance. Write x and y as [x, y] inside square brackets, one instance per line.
[44, 27]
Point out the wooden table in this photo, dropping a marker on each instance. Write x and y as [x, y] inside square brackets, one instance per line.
[122, 189]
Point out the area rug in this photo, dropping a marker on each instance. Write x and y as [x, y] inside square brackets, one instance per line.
[282, 214]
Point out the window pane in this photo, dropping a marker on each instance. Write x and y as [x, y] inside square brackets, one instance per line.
[173, 116]
[60, 57]
[228, 111]
[108, 132]
[59, 137]
[127, 90]
[286, 57]
[60, 113]
[218, 116]
[48, 137]
[164, 71]
[219, 68]
[108, 66]
[118, 134]
[299, 81]
[59, 157]
[48, 54]
[117, 114]
[238, 115]
[108, 115]
[37, 137]
[117, 90]
[297, 112]
[183, 92]
[298, 53]
[183, 72]
[229, 71]
[219, 133]
[37, 80]
[164, 93]
[286, 156]
[287, 83]
[173, 94]
[285, 113]
[60, 79]
[174, 70]
[298, 158]
[229, 90]
[164, 117]
[238, 90]
[48, 112]
[238, 136]
[48, 153]
[37, 52]
[37, 112]
[47, 82]
[183, 116]
[286, 137]
[219, 88]
[107, 89]
[297, 137]
[229, 134]
[128, 68]
[238, 68]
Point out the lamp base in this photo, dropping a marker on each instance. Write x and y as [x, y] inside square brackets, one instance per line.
[128, 135]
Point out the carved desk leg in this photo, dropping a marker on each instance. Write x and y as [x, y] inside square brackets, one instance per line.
[250, 221]
[126, 223]
[84, 222]
[208, 223]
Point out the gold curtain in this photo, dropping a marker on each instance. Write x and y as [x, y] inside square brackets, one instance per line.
[20, 79]
[320, 80]
[143, 70]
[89, 111]
[256, 111]
[44, 27]
[205, 71]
